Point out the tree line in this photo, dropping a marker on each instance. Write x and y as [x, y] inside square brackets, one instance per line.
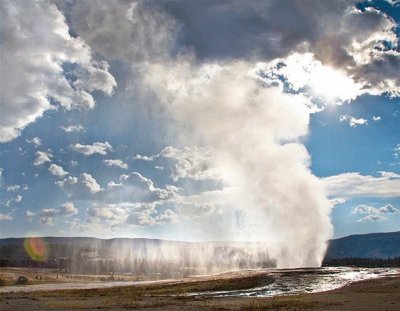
[363, 262]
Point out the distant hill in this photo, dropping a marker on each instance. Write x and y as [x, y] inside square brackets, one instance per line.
[93, 255]
[139, 256]
[373, 245]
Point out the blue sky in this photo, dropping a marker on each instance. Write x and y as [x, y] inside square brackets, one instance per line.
[211, 120]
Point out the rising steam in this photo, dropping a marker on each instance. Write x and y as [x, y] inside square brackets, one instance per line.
[255, 133]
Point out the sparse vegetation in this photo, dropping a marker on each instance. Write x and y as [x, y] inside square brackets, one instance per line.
[21, 280]
[363, 262]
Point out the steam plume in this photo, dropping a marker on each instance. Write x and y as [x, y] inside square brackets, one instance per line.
[255, 133]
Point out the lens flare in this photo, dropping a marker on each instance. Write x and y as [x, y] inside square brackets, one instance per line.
[36, 248]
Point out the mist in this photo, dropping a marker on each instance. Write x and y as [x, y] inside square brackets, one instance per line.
[256, 135]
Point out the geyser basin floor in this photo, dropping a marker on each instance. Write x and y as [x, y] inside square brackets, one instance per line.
[245, 283]
[382, 293]
[373, 294]
[300, 281]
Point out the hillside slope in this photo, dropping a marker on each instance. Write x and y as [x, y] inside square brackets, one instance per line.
[373, 245]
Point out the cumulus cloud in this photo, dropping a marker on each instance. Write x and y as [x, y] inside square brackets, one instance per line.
[371, 218]
[73, 128]
[81, 187]
[368, 209]
[133, 200]
[40, 52]
[168, 216]
[360, 43]
[353, 122]
[36, 141]
[117, 163]
[376, 118]
[396, 151]
[123, 214]
[388, 209]
[357, 185]
[301, 72]
[142, 189]
[57, 170]
[47, 216]
[149, 218]
[127, 30]
[337, 201]
[133, 188]
[67, 209]
[15, 199]
[30, 215]
[191, 162]
[143, 157]
[13, 188]
[142, 218]
[5, 217]
[97, 147]
[104, 211]
[42, 157]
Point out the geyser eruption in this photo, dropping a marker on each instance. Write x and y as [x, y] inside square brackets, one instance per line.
[254, 131]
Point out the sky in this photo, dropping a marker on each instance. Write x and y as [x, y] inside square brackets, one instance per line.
[200, 120]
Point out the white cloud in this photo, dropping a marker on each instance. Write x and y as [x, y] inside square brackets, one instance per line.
[144, 190]
[396, 151]
[42, 157]
[168, 216]
[97, 147]
[367, 209]
[371, 218]
[143, 157]
[116, 162]
[125, 30]
[347, 40]
[47, 216]
[36, 47]
[67, 209]
[57, 170]
[101, 212]
[13, 188]
[191, 162]
[123, 214]
[376, 118]
[5, 217]
[30, 215]
[73, 128]
[35, 141]
[133, 188]
[81, 187]
[357, 185]
[16, 199]
[337, 201]
[302, 72]
[353, 122]
[389, 209]
[143, 218]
